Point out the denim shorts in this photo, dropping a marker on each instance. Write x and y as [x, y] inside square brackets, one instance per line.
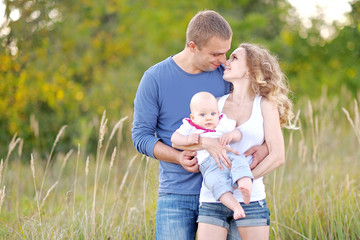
[257, 214]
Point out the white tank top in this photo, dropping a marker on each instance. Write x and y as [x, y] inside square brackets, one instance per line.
[252, 134]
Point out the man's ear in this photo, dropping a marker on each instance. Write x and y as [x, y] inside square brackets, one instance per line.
[192, 46]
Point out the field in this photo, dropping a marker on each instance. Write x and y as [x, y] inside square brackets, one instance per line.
[112, 194]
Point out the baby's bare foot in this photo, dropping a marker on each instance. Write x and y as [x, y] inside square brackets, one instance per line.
[245, 187]
[239, 213]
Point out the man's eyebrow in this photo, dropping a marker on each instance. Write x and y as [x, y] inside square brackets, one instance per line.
[217, 53]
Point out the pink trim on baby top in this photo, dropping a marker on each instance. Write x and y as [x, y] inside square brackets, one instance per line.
[201, 128]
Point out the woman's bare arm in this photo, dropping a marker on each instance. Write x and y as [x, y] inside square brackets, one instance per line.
[274, 140]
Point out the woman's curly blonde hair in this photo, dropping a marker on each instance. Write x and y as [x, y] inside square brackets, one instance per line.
[268, 80]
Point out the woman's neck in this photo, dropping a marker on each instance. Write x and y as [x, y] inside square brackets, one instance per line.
[242, 93]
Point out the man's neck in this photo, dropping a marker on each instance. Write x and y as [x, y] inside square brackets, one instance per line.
[184, 60]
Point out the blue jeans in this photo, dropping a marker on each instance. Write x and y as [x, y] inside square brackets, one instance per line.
[176, 217]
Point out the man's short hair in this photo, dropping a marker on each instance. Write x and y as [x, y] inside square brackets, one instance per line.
[205, 25]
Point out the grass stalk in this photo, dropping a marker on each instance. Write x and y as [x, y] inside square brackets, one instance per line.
[125, 210]
[117, 127]
[14, 141]
[1, 169]
[98, 153]
[144, 198]
[75, 181]
[107, 186]
[32, 165]
[86, 201]
[61, 131]
[118, 194]
[2, 196]
[355, 124]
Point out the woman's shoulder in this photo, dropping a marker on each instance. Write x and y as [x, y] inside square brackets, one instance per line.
[267, 103]
[269, 107]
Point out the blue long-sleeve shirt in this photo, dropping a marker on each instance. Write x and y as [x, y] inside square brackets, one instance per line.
[162, 101]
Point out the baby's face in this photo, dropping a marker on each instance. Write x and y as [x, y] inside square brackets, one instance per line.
[206, 115]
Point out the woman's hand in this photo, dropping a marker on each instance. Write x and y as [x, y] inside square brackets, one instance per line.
[217, 151]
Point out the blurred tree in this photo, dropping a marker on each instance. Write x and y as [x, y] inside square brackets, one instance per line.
[313, 62]
[65, 62]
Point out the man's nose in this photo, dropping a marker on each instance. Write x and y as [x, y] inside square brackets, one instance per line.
[223, 59]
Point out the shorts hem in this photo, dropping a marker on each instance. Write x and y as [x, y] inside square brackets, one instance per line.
[213, 221]
[252, 222]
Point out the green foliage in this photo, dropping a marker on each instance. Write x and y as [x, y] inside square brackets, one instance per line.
[64, 62]
[312, 62]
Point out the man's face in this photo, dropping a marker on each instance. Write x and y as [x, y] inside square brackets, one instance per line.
[212, 55]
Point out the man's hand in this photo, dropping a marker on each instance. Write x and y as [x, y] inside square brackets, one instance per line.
[218, 152]
[188, 161]
[259, 152]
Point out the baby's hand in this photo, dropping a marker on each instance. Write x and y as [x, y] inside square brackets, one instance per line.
[225, 139]
[194, 138]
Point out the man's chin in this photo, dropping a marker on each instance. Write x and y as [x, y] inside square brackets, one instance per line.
[212, 68]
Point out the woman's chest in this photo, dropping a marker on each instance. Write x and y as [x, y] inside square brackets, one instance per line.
[240, 113]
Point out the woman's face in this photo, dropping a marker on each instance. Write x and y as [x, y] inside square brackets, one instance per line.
[236, 67]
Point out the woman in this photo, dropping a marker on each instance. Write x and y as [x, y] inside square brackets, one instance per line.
[259, 104]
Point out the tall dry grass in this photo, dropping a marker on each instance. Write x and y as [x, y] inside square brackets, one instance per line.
[78, 197]
[112, 195]
[316, 195]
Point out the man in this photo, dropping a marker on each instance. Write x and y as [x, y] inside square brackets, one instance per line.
[162, 101]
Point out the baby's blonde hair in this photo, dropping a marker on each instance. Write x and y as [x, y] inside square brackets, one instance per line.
[201, 98]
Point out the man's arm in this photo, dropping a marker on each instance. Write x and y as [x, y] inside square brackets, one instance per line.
[187, 159]
[145, 116]
[144, 126]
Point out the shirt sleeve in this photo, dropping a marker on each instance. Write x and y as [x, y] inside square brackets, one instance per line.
[185, 128]
[146, 113]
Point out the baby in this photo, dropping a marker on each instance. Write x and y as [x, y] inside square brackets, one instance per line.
[205, 121]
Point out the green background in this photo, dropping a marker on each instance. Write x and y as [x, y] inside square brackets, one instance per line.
[66, 62]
